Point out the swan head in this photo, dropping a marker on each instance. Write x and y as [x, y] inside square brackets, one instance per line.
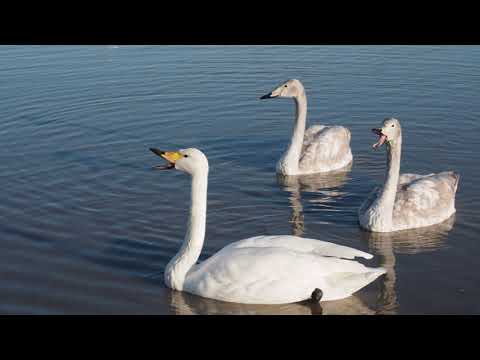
[390, 132]
[190, 160]
[290, 89]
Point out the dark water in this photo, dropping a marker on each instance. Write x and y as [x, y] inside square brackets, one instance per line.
[87, 226]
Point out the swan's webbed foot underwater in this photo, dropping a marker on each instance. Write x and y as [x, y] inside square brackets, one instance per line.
[317, 295]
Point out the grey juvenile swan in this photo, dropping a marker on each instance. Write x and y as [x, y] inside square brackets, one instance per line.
[319, 148]
[406, 201]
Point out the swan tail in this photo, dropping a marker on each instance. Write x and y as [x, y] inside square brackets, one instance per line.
[346, 284]
[451, 178]
[349, 134]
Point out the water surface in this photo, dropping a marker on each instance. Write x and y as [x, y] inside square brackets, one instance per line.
[87, 226]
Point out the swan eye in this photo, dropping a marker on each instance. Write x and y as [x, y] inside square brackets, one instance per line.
[185, 155]
[393, 125]
[285, 85]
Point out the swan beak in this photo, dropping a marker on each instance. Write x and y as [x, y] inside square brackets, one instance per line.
[267, 96]
[170, 156]
[273, 94]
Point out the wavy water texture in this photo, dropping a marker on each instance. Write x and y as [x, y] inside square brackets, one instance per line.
[87, 226]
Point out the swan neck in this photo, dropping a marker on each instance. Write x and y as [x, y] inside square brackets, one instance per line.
[292, 156]
[386, 200]
[189, 253]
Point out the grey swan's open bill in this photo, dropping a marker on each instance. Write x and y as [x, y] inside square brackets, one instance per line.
[406, 201]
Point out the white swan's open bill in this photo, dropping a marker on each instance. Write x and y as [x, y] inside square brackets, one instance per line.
[170, 156]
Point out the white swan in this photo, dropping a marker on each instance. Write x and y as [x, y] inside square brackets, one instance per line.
[406, 201]
[259, 270]
[318, 149]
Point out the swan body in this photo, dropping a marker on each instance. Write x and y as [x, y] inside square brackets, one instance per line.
[280, 269]
[406, 201]
[317, 149]
[263, 269]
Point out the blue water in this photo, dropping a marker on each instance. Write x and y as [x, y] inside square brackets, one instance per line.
[87, 226]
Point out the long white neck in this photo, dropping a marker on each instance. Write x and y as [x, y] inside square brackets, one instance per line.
[386, 200]
[288, 164]
[188, 255]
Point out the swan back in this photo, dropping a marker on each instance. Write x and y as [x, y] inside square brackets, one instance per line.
[280, 269]
[276, 275]
[424, 200]
[325, 150]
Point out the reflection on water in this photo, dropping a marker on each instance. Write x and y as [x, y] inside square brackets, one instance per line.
[410, 241]
[326, 185]
[321, 183]
[186, 304]
[413, 241]
[87, 226]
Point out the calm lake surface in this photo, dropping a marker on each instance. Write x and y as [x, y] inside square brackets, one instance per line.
[87, 227]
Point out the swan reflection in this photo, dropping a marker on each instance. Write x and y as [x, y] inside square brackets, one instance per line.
[186, 304]
[320, 183]
[326, 185]
[413, 241]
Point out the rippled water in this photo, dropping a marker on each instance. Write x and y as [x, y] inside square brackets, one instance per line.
[87, 226]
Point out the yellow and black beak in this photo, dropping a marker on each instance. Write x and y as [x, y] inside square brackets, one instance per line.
[170, 156]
